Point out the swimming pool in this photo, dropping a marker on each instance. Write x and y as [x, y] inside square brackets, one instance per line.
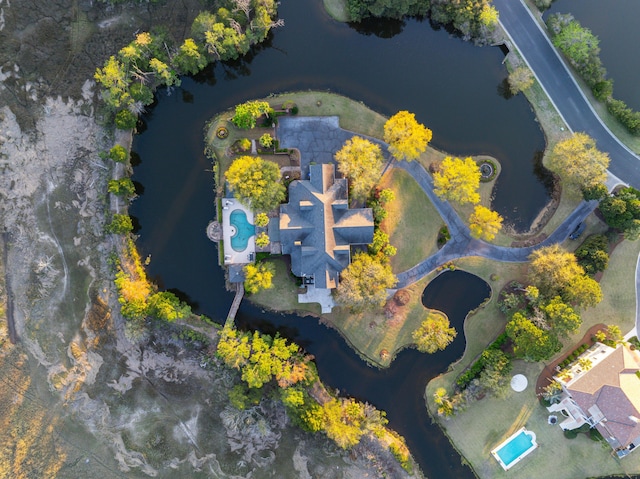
[517, 446]
[241, 230]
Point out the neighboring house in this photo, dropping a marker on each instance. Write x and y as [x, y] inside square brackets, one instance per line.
[317, 228]
[605, 396]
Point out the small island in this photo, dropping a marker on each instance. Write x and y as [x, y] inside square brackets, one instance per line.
[325, 222]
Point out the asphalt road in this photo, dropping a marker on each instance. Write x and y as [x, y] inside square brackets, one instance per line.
[552, 73]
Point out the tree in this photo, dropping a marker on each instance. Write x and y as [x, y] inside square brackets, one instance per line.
[118, 153]
[446, 406]
[434, 334]
[592, 255]
[120, 224]
[164, 73]
[484, 223]
[495, 372]
[595, 192]
[258, 277]
[114, 79]
[579, 162]
[343, 420]
[622, 211]
[256, 182]
[125, 120]
[563, 319]
[458, 180]
[121, 187]
[262, 240]
[166, 305]
[364, 283]
[583, 291]
[529, 341]
[266, 140]
[407, 138]
[261, 220]
[190, 59]
[246, 114]
[552, 269]
[520, 79]
[361, 161]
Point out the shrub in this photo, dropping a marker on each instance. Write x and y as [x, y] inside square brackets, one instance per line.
[118, 153]
[570, 434]
[402, 297]
[122, 187]
[244, 144]
[630, 119]
[141, 93]
[125, 120]
[120, 224]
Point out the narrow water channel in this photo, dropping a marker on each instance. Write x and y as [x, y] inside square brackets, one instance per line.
[452, 86]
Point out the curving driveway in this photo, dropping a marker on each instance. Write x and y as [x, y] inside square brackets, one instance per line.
[318, 138]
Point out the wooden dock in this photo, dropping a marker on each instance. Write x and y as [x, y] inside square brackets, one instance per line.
[235, 305]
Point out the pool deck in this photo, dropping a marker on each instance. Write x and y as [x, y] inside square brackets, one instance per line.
[232, 256]
[524, 453]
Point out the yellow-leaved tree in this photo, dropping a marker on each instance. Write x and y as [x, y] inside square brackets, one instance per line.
[578, 162]
[434, 333]
[407, 138]
[361, 161]
[256, 182]
[484, 223]
[458, 180]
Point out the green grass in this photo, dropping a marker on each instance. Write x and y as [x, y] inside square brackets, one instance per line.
[412, 222]
[371, 332]
[284, 294]
[488, 422]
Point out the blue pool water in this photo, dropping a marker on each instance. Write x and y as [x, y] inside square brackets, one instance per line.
[515, 448]
[244, 230]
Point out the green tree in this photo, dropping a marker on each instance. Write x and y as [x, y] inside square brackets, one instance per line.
[529, 341]
[246, 114]
[122, 187]
[256, 182]
[446, 406]
[166, 306]
[125, 120]
[258, 277]
[142, 93]
[595, 192]
[592, 255]
[622, 211]
[190, 59]
[407, 138]
[458, 180]
[120, 224]
[364, 283]
[520, 79]
[495, 373]
[564, 320]
[579, 162]
[118, 153]
[434, 334]
[361, 161]
[266, 140]
[484, 223]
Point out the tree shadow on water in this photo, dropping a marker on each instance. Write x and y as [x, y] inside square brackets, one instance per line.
[379, 27]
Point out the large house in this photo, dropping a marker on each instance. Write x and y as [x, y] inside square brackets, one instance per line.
[605, 396]
[317, 228]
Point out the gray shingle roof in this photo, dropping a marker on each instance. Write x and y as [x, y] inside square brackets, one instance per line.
[317, 227]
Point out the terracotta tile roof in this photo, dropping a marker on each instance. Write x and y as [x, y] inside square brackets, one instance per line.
[612, 388]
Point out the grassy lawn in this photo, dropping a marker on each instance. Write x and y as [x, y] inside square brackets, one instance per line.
[371, 332]
[412, 223]
[486, 423]
[284, 294]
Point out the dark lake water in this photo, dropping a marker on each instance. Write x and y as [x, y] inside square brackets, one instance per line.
[616, 25]
[452, 86]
